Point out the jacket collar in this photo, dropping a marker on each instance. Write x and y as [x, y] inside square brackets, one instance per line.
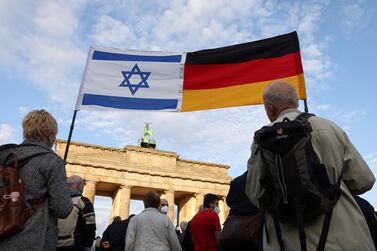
[150, 209]
[38, 143]
[74, 193]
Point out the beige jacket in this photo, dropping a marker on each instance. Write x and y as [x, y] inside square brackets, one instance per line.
[151, 231]
[348, 229]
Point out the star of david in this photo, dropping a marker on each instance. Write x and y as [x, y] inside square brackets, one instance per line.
[132, 86]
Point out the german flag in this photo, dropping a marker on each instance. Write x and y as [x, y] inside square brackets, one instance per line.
[237, 75]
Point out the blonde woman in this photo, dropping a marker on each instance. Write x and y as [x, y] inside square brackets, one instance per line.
[44, 178]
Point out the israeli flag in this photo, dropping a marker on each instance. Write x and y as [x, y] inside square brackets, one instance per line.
[132, 80]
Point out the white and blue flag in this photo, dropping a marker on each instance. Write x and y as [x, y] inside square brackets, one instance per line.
[134, 80]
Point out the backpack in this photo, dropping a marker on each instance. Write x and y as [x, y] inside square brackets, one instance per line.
[296, 184]
[13, 210]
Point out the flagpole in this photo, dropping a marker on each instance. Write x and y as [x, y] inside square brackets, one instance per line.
[70, 135]
[306, 106]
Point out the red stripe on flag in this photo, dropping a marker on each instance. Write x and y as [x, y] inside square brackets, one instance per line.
[211, 76]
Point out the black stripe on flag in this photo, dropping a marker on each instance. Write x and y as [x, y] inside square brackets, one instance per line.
[265, 48]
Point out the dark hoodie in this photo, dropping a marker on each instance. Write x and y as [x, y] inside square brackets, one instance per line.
[42, 176]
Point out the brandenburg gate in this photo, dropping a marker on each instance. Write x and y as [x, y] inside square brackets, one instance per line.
[131, 172]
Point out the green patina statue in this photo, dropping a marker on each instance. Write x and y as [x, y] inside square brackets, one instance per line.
[146, 140]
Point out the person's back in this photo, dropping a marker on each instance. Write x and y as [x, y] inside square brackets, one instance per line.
[114, 236]
[151, 230]
[43, 176]
[237, 200]
[239, 205]
[348, 229]
[205, 225]
[77, 231]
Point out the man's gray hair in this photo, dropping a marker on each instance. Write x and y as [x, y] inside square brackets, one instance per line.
[280, 93]
[74, 180]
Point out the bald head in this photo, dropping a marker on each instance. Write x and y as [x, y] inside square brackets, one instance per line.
[277, 97]
[76, 183]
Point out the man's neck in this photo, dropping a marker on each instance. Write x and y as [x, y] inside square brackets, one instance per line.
[288, 110]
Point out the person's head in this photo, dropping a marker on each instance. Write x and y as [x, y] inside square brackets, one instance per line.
[76, 183]
[183, 225]
[116, 219]
[40, 125]
[152, 199]
[164, 205]
[277, 97]
[211, 201]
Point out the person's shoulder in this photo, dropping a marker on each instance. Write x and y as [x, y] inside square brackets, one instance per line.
[195, 218]
[320, 123]
[212, 214]
[85, 200]
[240, 179]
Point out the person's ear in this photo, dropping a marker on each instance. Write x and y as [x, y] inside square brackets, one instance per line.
[270, 111]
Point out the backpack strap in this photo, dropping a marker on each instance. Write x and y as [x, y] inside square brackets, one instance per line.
[300, 223]
[326, 223]
[31, 210]
[304, 116]
[7, 146]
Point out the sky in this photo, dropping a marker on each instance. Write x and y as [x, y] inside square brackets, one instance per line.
[44, 44]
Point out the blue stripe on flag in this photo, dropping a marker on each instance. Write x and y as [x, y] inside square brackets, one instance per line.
[129, 103]
[102, 55]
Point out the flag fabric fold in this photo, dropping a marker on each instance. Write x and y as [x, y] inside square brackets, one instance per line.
[215, 78]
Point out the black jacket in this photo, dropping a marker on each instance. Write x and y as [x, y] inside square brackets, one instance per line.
[115, 234]
[237, 200]
[370, 216]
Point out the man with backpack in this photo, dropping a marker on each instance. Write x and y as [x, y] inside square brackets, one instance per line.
[38, 185]
[303, 171]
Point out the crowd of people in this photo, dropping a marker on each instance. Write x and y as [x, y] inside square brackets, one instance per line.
[293, 196]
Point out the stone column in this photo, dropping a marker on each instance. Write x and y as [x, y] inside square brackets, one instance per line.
[199, 199]
[121, 202]
[186, 208]
[169, 195]
[222, 211]
[90, 190]
[226, 209]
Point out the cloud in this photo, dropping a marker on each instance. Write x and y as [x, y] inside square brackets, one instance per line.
[6, 134]
[354, 17]
[51, 53]
[220, 136]
[47, 48]
[224, 135]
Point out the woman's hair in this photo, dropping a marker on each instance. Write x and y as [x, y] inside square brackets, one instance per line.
[39, 125]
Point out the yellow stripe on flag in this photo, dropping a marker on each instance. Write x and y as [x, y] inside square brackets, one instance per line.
[239, 95]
